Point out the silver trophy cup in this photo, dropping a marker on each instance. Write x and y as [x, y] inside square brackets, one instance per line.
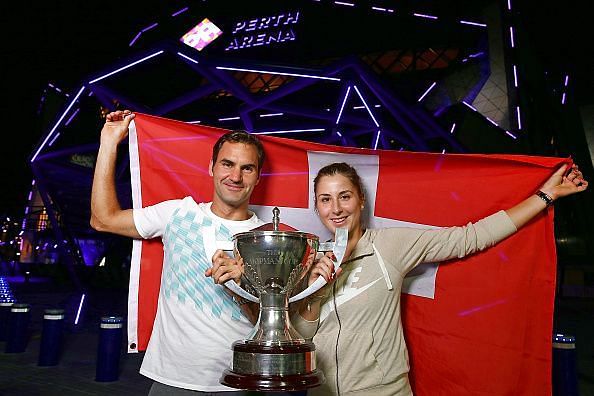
[275, 357]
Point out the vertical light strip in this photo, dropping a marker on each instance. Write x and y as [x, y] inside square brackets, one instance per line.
[346, 95]
[379, 132]
[563, 98]
[509, 5]
[511, 36]
[519, 117]
[82, 300]
[515, 76]
[566, 80]
[453, 128]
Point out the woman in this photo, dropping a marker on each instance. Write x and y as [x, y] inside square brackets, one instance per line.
[370, 339]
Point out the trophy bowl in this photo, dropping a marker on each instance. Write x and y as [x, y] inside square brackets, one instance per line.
[274, 357]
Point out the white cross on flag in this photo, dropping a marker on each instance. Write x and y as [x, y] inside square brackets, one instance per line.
[481, 325]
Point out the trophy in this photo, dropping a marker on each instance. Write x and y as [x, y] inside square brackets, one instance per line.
[274, 357]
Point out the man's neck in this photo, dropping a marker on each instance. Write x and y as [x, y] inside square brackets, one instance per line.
[230, 213]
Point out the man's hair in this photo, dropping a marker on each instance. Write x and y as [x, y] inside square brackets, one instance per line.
[239, 137]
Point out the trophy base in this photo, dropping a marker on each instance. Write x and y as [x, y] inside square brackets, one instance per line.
[286, 367]
[279, 383]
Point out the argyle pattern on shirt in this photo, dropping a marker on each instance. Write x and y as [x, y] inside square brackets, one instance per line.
[185, 262]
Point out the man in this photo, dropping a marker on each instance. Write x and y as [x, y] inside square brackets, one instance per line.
[196, 320]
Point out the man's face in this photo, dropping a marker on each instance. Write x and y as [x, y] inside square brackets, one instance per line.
[235, 174]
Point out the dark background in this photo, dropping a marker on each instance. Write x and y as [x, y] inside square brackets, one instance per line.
[62, 41]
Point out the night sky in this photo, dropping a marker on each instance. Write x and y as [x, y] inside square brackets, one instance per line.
[61, 41]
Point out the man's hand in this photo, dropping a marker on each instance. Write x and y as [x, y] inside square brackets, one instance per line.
[225, 268]
[116, 127]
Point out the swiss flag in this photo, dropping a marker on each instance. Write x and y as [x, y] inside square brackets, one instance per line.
[482, 325]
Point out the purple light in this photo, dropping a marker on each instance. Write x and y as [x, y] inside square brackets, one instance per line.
[338, 133]
[289, 131]
[382, 9]
[473, 23]
[491, 121]
[229, 118]
[21, 233]
[57, 123]
[510, 134]
[509, 5]
[146, 29]
[519, 118]
[476, 55]
[278, 73]
[194, 122]
[367, 107]
[358, 107]
[344, 3]
[54, 139]
[346, 95]
[511, 36]
[515, 76]
[126, 67]
[377, 139]
[427, 91]
[82, 300]
[566, 80]
[469, 106]
[27, 210]
[187, 57]
[443, 151]
[453, 128]
[71, 117]
[176, 13]
[563, 98]
[424, 16]
[30, 195]
[377, 106]
[135, 39]
[272, 114]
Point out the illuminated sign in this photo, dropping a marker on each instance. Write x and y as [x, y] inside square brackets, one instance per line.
[264, 31]
[201, 35]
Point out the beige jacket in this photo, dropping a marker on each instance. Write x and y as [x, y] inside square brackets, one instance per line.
[372, 355]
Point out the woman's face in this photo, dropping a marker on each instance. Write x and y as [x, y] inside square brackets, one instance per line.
[339, 204]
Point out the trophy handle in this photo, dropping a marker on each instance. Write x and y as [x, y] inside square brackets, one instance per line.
[338, 247]
[235, 288]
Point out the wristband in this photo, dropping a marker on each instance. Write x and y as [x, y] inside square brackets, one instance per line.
[545, 197]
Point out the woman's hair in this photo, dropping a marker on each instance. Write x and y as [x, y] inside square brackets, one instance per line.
[344, 169]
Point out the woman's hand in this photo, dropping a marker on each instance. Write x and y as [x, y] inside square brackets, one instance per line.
[225, 268]
[324, 267]
[559, 186]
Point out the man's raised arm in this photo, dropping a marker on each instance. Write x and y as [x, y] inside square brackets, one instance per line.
[106, 213]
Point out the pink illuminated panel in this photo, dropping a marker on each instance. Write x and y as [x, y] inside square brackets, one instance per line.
[201, 35]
